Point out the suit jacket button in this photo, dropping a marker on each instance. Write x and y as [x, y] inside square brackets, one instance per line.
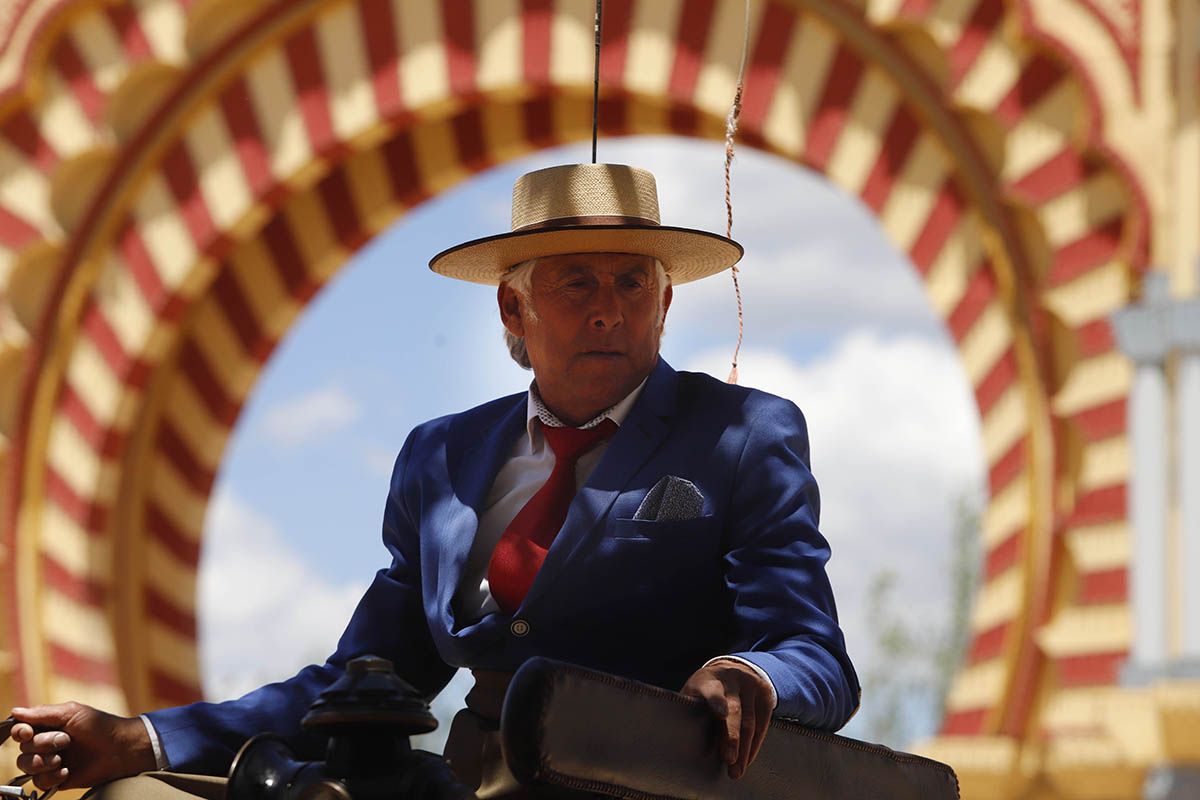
[519, 627]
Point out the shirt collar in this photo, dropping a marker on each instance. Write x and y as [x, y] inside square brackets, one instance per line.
[536, 413]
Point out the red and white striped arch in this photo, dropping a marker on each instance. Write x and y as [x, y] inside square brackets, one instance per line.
[189, 175]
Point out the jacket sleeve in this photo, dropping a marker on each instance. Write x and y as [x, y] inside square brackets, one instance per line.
[784, 613]
[202, 738]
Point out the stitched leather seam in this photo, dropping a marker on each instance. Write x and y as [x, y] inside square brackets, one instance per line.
[624, 792]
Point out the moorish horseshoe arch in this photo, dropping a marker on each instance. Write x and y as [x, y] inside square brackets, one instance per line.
[178, 178]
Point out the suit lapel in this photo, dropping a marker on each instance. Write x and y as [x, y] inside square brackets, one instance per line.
[476, 454]
[639, 437]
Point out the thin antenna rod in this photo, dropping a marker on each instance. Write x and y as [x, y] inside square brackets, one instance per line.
[596, 80]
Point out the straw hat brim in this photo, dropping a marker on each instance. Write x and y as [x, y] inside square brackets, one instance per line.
[688, 254]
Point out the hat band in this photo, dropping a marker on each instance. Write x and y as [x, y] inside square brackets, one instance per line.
[593, 219]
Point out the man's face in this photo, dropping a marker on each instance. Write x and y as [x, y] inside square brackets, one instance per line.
[595, 329]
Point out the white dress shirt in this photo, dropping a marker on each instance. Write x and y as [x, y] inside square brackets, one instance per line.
[527, 469]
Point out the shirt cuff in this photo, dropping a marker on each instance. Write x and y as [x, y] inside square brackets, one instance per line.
[160, 758]
[757, 669]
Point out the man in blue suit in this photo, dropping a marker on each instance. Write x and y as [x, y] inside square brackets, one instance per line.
[655, 524]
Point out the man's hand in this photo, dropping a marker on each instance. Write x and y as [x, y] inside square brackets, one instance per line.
[741, 700]
[71, 746]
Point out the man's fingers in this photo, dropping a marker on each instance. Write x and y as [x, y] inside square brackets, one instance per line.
[719, 705]
[724, 706]
[756, 736]
[21, 732]
[47, 742]
[36, 763]
[48, 780]
[740, 700]
[48, 716]
[711, 691]
[762, 712]
[707, 688]
[746, 737]
[28, 720]
[733, 732]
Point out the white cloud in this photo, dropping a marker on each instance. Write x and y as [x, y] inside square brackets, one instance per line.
[825, 285]
[310, 416]
[264, 613]
[895, 442]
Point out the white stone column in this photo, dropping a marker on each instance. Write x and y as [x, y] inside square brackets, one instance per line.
[1142, 332]
[1148, 507]
[1185, 318]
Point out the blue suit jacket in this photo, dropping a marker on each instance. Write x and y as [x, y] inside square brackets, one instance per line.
[651, 600]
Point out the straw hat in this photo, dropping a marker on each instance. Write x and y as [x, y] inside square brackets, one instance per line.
[588, 208]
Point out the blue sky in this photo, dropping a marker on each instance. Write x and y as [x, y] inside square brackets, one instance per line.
[835, 320]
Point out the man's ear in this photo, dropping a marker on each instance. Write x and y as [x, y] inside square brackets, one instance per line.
[509, 300]
[668, 293]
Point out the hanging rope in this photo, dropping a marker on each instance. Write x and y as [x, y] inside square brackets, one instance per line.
[731, 126]
[596, 80]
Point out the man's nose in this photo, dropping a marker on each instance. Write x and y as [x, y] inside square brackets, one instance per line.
[606, 310]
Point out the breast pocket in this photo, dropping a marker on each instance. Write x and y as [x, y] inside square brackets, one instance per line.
[702, 529]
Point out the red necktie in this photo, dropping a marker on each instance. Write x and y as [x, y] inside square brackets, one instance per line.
[522, 548]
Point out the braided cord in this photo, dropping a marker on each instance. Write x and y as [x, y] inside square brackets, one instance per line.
[731, 126]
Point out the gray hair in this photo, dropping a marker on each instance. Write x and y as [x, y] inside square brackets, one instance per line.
[520, 278]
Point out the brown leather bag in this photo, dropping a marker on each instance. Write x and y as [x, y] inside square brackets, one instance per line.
[573, 728]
